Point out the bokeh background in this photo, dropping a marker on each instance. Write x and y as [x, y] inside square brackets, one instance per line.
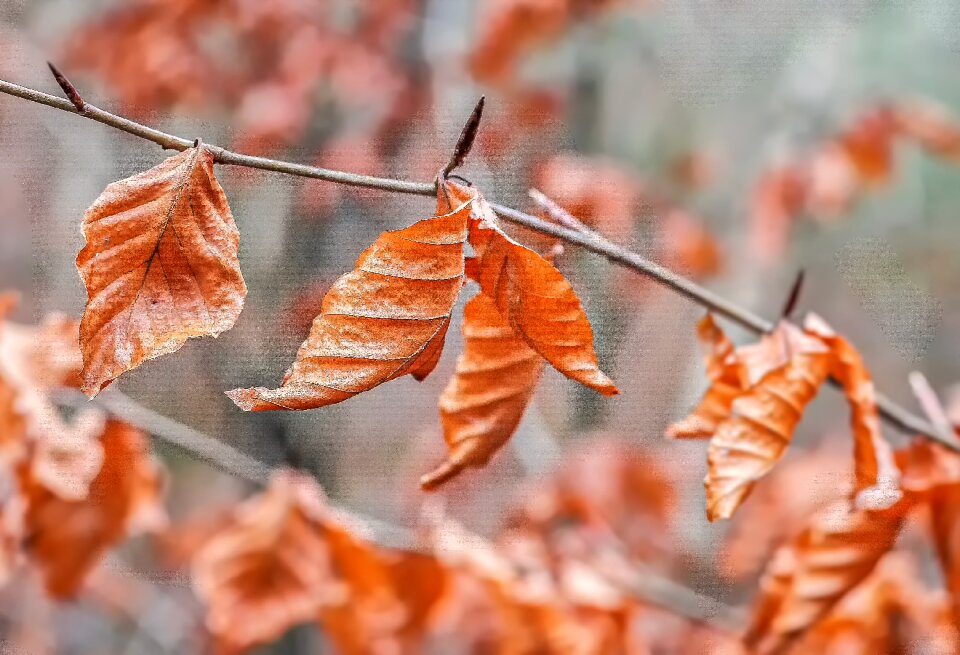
[660, 124]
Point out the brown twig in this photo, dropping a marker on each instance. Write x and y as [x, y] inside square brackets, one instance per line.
[891, 411]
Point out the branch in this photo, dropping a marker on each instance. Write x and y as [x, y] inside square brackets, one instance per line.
[646, 587]
[891, 411]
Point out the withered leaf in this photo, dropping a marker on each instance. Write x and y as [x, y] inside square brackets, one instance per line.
[485, 399]
[876, 473]
[385, 319]
[837, 549]
[746, 445]
[533, 296]
[65, 538]
[160, 266]
[270, 569]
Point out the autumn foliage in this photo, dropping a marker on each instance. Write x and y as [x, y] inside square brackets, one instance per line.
[531, 526]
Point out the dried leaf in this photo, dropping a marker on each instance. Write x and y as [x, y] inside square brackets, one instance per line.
[944, 503]
[67, 537]
[160, 266]
[271, 568]
[868, 143]
[728, 380]
[746, 445]
[485, 400]
[385, 319]
[876, 472]
[836, 550]
[930, 125]
[535, 297]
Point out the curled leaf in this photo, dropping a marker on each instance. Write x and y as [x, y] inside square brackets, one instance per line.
[876, 472]
[160, 266]
[533, 296]
[746, 445]
[485, 400]
[385, 319]
[837, 549]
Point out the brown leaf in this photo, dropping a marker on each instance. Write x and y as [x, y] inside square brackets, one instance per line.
[876, 472]
[868, 142]
[836, 550]
[746, 445]
[67, 537]
[728, 380]
[485, 399]
[385, 319]
[160, 266]
[533, 296]
[270, 569]
[930, 125]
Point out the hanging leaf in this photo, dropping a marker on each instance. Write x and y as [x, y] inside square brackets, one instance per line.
[66, 538]
[533, 296]
[385, 319]
[270, 569]
[746, 445]
[160, 266]
[485, 400]
[837, 549]
[727, 381]
[876, 472]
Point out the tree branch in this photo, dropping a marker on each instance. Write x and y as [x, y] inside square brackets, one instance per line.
[891, 411]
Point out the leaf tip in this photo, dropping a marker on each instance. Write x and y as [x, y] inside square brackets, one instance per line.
[245, 399]
[442, 474]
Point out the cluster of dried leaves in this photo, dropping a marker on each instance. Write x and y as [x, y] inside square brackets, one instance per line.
[161, 265]
[829, 567]
[828, 181]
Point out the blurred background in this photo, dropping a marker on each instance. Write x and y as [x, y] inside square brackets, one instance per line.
[736, 142]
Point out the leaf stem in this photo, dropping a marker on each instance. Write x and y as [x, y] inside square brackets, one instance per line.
[891, 411]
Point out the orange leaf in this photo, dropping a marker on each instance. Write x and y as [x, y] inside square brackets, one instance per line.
[930, 125]
[160, 266]
[869, 144]
[945, 514]
[837, 549]
[67, 537]
[484, 401]
[533, 296]
[385, 319]
[877, 476]
[271, 568]
[727, 381]
[746, 445]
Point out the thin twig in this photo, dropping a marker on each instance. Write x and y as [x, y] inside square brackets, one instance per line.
[931, 405]
[891, 411]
